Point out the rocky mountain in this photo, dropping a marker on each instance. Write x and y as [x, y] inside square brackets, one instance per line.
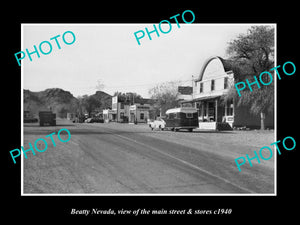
[60, 101]
[104, 98]
[55, 99]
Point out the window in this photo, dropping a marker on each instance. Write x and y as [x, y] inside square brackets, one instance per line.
[121, 115]
[189, 115]
[229, 108]
[212, 87]
[142, 116]
[114, 105]
[201, 87]
[225, 82]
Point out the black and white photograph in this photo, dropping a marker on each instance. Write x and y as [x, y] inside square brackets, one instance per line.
[125, 115]
[142, 111]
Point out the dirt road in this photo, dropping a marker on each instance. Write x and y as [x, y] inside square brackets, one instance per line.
[132, 159]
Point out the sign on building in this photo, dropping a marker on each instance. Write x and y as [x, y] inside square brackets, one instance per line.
[185, 90]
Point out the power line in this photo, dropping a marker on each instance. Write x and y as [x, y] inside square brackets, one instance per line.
[133, 85]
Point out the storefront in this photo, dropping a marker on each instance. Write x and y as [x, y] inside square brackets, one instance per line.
[109, 115]
[213, 112]
[209, 93]
[209, 89]
[139, 113]
[124, 113]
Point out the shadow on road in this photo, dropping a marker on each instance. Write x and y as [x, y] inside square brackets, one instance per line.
[38, 125]
[99, 132]
[102, 130]
[86, 132]
[209, 131]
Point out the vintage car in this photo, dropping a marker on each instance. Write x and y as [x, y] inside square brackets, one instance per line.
[94, 120]
[157, 124]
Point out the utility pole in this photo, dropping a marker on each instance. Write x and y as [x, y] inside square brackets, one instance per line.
[192, 86]
[133, 98]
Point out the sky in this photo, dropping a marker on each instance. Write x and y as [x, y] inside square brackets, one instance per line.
[109, 54]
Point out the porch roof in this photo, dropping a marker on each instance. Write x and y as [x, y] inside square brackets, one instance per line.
[210, 97]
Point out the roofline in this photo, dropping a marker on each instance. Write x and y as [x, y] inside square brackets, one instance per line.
[203, 98]
[207, 62]
[183, 109]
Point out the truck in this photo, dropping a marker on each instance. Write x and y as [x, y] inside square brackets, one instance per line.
[47, 117]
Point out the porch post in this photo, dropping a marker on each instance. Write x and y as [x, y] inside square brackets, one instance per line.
[207, 110]
[202, 110]
[216, 110]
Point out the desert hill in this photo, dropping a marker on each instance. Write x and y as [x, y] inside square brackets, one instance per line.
[60, 101]
[104, 98]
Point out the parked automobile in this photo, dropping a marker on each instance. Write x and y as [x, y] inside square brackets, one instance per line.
[157, 124]
[88, 120]
[97, 120]
[30, 120]
[94, 120]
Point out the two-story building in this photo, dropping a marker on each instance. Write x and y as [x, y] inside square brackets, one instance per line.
[119, 111]
[209, 89]
[124, 112]
[139, 113]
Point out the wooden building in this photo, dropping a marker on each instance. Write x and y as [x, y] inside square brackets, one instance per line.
[209, 89]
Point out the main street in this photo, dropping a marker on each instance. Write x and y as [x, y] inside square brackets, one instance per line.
[131, 159]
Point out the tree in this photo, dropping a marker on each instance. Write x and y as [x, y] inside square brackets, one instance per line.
[89, 103]
[62, 112]
[250, 55]
[165, 96]
[129, 97]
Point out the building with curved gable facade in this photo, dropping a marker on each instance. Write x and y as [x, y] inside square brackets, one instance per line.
[209, 89]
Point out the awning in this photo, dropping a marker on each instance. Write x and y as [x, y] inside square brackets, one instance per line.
[202, 98]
